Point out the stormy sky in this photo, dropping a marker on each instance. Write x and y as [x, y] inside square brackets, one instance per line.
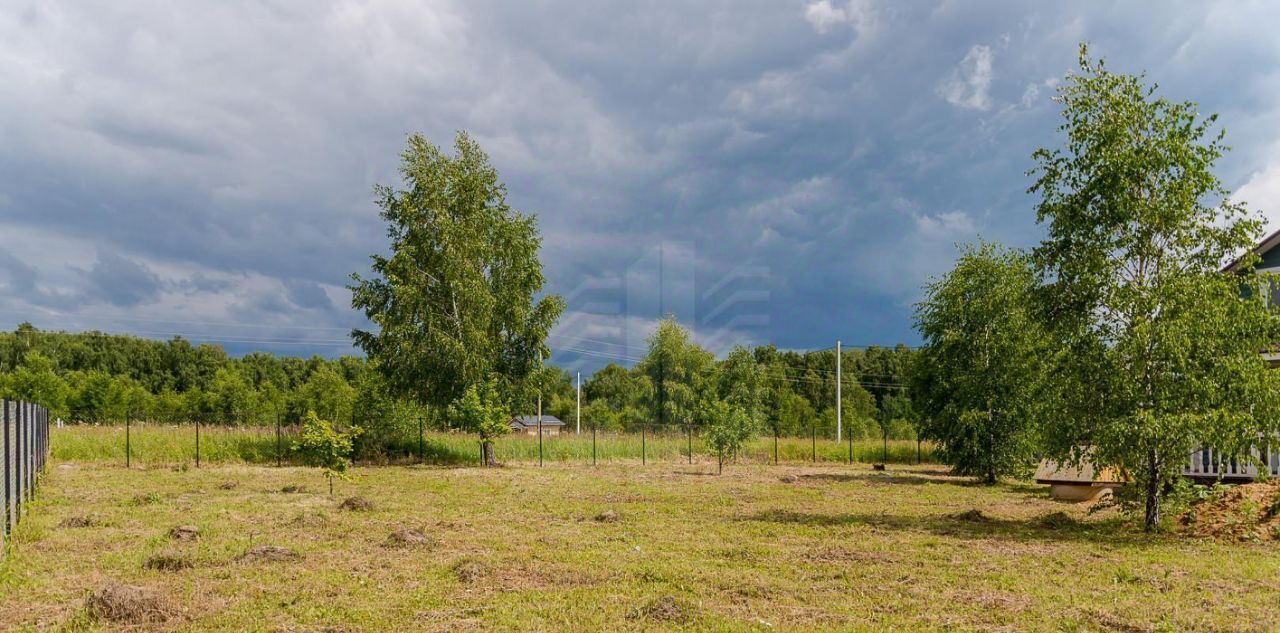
[767, 171]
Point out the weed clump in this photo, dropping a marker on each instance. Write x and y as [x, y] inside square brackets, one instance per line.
[268, 554]
[971, 516]
[167, 561]
[184, 533]
[469, 570]
[145, 499]
[356, 504]
[1055, 521]
[310, 519]
[79, 522]
[128, 604]
[293, 488]
[661, 609]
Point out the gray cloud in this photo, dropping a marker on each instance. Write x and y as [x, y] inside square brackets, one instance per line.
[227, 152]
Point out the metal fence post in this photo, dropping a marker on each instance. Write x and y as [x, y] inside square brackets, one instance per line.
[539, 440]
[814, 429]
[593, 443]
[422, 453]
[279, 449]
[643, 459]
[128, 445]
[690, 428]
[197, 442]
[850, 448]
[775, 446]
[8, 466]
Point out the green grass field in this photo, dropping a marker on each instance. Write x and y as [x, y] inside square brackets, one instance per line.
[168, 445]
[620, 546]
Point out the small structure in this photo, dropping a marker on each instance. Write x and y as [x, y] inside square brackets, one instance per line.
[528, 425]
[1078, 483]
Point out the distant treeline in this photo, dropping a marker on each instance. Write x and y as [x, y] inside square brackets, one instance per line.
[98, 377]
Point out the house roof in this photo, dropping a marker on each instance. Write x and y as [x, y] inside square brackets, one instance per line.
[532, 420]
[1269, 242]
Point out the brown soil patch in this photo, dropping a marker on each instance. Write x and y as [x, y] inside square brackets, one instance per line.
[128, 604]
[356, 504]
[408, 538]
[788, 479]
[184, 533]
[79, 522]
[227, 485]
[1055, 521]
[293, 488]
[167, 561]
[608, 516]
[1246, 512]
[268, 554]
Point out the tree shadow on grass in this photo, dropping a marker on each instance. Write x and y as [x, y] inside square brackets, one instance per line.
[974, 525]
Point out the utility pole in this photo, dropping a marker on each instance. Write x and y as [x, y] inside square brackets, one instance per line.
[539, 383]
[578, 414]
[839, 419]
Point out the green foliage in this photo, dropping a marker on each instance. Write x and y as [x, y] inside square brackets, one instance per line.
[454, 302]
[678, 370]
[321, 446]
[727, 426]
[1157, 346]
[978, 375]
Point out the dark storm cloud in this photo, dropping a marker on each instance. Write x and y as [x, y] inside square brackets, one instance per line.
[801, 166]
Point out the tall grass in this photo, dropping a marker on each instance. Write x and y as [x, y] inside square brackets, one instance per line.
[155, 444]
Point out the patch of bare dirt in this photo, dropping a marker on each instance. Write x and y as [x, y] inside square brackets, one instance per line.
[128, 604]
[608, 516]
[356, 504]
[268, 554]
[184, 533]
[788, 479]
[227, 485]
[1248, 512]
[293, 489]
[408, 538]
[1055, 521]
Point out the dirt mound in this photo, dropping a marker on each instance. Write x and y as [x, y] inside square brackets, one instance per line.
[184, 533]
[662, 609]
[268, 553]
[167, 561]
[227, 485]
[608, 516]
[356, 504]
[407, 538]
[971, 516]
[1248, 512]
[469, 570]
[788, 479]
[145, 499]
[128, 604]
[293, 488]
[79, 522]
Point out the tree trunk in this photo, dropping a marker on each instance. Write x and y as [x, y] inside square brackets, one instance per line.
[1151, 522]
[991, 475]
[488, 454]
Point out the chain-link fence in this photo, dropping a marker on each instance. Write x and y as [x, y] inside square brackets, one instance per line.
[26, 449]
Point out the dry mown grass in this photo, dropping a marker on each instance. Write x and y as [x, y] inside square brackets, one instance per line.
[615, 548]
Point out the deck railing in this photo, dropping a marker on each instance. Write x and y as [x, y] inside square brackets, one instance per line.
[1207, 463]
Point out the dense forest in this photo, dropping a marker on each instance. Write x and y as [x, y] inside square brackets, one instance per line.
[98, 377]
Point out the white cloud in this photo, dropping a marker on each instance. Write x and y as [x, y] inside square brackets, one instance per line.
[970, 83]
[1262, 193]
[825, 16]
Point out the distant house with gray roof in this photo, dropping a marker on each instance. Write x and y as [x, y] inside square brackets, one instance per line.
[528, 425]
